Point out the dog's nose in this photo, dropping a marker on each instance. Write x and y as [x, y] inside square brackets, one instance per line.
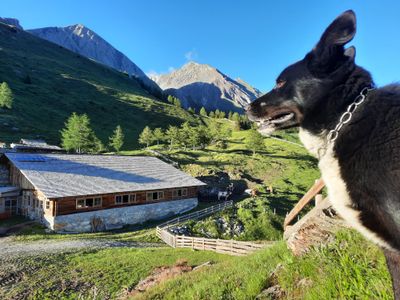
[247, 107]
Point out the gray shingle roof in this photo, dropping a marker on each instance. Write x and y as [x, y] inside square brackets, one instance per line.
[63, 175]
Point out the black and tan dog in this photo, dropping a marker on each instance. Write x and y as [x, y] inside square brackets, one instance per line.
[351, 127]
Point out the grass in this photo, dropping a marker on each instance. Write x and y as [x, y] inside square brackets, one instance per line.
[253, 216]
[288, 168]
[349, 268]
[102, 274]
[64, 82]
[337, 271]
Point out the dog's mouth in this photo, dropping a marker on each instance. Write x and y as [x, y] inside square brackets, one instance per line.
[281, 119]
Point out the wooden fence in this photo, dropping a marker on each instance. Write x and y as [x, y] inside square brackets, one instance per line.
[197, 214]
[231, 247]
[312, 192]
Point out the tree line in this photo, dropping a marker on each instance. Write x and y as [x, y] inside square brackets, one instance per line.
[187, 135]
[78, 136]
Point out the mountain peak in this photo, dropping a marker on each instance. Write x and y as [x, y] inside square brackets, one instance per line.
[12, 22]
[198, 85]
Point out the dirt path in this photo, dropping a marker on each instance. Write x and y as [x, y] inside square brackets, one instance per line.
[10, 248]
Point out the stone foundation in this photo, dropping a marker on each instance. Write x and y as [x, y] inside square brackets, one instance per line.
[114, 218]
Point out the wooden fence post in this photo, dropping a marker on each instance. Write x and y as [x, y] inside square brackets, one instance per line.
[318, 199]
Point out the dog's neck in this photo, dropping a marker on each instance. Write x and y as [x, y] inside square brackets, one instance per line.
[326, 114]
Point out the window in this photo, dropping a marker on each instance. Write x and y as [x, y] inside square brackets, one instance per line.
[132, 198]
[179, 193]
[47, 204]
[97, 201]
[125, 198]
[88, 202]
[80, 203]
[155, 196]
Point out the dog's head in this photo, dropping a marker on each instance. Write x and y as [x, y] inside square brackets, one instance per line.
[303, 85]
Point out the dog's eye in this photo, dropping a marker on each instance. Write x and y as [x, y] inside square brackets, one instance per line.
[280, 84]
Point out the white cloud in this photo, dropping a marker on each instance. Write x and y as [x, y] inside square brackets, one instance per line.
[152, 74]
[191, 55]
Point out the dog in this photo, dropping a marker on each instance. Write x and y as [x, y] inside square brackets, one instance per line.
[352, 128]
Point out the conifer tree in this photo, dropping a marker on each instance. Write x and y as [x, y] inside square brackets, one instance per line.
[146, 137]
[255, 141]
[158, 135]
[172, 134]
[78, 136]
[6, 96]
[117, 139]
[203, 112]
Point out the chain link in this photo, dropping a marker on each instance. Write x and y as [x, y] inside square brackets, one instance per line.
[346, 117]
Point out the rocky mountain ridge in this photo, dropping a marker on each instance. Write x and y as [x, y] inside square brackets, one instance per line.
[201, 85]
[84, 41]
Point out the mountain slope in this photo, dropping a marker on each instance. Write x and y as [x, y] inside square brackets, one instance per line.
[86, 42]
[50, 82]
[198, 85]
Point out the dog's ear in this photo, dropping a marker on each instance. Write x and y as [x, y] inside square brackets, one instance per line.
[350, 53]
[330, 49]
[341, 31]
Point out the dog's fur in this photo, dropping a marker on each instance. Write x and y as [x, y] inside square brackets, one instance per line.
[361, 169]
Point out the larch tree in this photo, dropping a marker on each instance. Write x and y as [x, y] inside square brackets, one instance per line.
[78, 136]
[6, 96]
[158, 135]
[172, 134]
[146, 137]
[117, 139]
[255, 141]
[203, 112]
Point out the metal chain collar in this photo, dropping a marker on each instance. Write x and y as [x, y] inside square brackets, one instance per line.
[346, 117]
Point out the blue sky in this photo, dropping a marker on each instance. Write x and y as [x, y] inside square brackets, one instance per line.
[253, 40]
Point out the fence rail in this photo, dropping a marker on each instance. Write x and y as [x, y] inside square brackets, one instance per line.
[231, 247]
[312, 192]
[197, 214]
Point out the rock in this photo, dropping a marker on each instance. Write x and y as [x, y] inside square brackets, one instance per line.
[273, 292]
[86, 42]
[305, 283]
[316, 228]
[198, 85]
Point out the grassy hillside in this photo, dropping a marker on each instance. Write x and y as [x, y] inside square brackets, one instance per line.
[287, 167]
[337, 271]
[50, 82]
